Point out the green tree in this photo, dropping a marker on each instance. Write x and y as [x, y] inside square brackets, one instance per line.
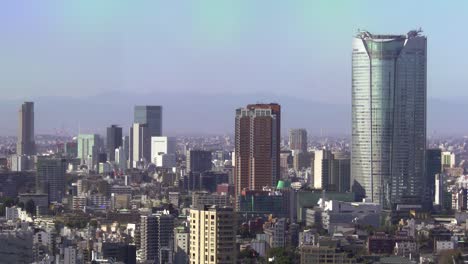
[283, 255]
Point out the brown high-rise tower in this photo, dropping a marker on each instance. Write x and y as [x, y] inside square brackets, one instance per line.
[257, 161]
[26, 144]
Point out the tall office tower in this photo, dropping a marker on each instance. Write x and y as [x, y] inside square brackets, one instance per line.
[163, 151]
[322, 164]
[257, 146]
[140, 144]
[88, 149]
[26, 144]
[298, 140]
[389, 116]
[150, 115]
[156, 236]
[433, 167]
[213, 235]
[198, 160]
[50, 177]
[340, 172]
[121, 158]
[114, 140]
[448, 159]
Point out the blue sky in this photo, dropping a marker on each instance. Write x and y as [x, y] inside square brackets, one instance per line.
[296, 48]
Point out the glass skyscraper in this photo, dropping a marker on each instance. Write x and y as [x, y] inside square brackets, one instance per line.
[389, 117]
[151, 115]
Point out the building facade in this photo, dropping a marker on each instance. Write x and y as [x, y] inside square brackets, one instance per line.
[389, 116]
[26, 144]
[113, 141]
[298, 140]
[257, 146]
[213, 235]
[151, 115]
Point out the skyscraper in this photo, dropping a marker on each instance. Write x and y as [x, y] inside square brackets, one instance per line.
[257, 146]
[88, 149]
[389, 116]
[213, 231]
[26, 144]
[140, 144]
[163, 151]
[322, 168]
[151, 115]
[156, 236]
[298, 140]
[50, 177]
[198, 160]
[113, 141]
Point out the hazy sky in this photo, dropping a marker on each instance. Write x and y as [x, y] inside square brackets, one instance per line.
[300, 48]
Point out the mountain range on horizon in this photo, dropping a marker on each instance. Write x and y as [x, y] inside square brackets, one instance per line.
[185, 114]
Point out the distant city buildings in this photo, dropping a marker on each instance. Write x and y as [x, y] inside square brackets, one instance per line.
[88, 149]
[140, 145]
[389, 74]
[298, 140]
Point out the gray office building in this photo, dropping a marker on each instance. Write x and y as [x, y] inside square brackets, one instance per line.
[113, 141]
[389, 116]
[151, 115]
[50, 177]
[26, 144]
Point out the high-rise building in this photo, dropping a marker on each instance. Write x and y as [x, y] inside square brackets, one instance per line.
[113, 141]
[340, 172]
[389, 116]
[88, 149]
[181, 245]
[156, 236]
[433, 167]
[163, 151]
[151, 115]
[298, 140]
[322, 164]
[213, 235]
[257, 146]
[140, 144]
[50, 177]
[26, 145]
[199, 160]
[121, 158]
[448, 159]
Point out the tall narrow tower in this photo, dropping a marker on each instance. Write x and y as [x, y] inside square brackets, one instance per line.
[389, 116]
[257, 147]
[26, 144]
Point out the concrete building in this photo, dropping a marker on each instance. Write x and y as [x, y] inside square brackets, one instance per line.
[322, 162]
[156, 234]
[113, 141]
[151, 115]
[448, 159]
[337, 213]
[120, 157]
[163, 151]
[181, 245]
[16, 246]
[389, 74]
[324, 252]
[340, 173]
[275, 229]
[298, 140]
[26, 144]
[50, 177]
[213, 235]
[257, 146]
[140, 145]
[200, 199]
